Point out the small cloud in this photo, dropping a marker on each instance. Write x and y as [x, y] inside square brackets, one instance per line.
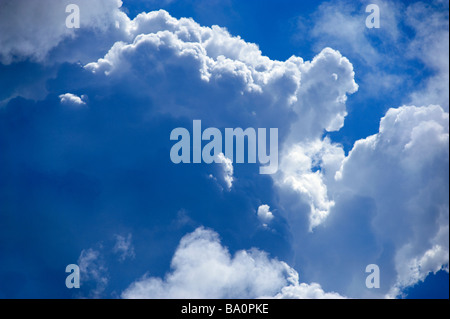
[124, 247]
[227, 167]
[264, 214]
[93, 272]
[72, 99]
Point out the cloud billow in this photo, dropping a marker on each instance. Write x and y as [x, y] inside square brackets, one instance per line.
[203, 268]
[101, 153]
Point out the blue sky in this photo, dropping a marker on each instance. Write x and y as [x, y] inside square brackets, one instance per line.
[86, 176]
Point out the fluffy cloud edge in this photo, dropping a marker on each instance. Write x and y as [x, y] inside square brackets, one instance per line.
[202, 268]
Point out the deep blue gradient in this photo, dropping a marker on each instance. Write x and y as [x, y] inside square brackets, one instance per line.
[436, 286]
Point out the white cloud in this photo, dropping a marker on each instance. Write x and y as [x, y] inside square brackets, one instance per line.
[303, 99]
[31, 29]
[124, 247]
[93, 272]
[203, 268]
[352, 35]
[431, 46]
[418, 268]
[187, 70]
[386, 203]
[264, 214]
[429, 43]
[404, 169]
[227, 167]
[320, 100]
[72, 99]
[401, 171]
[305, 291]
[307, 168]
[253, 89]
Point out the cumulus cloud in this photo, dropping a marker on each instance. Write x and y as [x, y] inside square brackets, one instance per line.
[305, 291]
[264, 214]
[254, 90]
[303, 99]
[326, 81]
[416, 269]
[227, 168]
[203, 268]
[390, 193]
[31, 29]
[393, 185]
[399, 186]
[72, 99]
[404, 169]
[428, 44]
[307, 168]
